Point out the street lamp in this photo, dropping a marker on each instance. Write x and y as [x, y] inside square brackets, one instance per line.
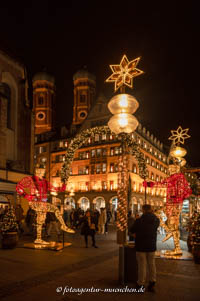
[122, 106]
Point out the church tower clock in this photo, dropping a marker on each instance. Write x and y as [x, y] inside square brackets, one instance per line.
[84, 95]
[43, 102]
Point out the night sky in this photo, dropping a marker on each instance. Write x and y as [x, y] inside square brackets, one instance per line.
[64, 38]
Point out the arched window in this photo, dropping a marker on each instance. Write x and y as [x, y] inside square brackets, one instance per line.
[6, 93]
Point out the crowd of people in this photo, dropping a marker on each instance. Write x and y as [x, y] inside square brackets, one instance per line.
[74, 218]
[142, 228]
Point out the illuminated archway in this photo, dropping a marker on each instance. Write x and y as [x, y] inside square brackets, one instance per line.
[84, 203]
[69, 203]
[99, 202]
[78, 141]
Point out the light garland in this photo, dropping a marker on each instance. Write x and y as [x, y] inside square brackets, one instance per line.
[133, 149]
[78, 141]
[122, 193]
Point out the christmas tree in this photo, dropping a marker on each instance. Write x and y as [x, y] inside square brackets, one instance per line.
[8, 222]
[195, 228]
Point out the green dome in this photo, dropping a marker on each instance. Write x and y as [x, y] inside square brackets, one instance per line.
[44, 76]
[83, 73]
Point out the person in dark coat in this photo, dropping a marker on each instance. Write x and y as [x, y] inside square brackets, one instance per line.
[145, 230]
[131, 221]
[30, 218]
[88, 228]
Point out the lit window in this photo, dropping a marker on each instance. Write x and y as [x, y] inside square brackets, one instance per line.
[42, 149]
[134, 168]
[152, 163]
[104, 167]
[152, 176]
[111, 167]
[92, 169]
[103, 137]
[66, 144]
[104, 152]
[96, 138]
[98, 152]
[86, 186]
[112, 151]
[61, 144]
[104, 185]
[61, 158]
[111, 185]
[43, 160]
[147, 160]
[145, 145]
[98, 168]
[93, 153]
[150, 149]
[116, 150]
[157, 178]
[111, 137]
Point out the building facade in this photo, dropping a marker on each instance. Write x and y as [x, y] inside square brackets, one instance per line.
[16, 136]
[93, 175]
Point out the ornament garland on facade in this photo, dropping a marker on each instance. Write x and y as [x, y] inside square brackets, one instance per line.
[81, 138]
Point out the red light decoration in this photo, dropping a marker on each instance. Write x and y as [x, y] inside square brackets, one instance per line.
[178, 189]
[37, 188]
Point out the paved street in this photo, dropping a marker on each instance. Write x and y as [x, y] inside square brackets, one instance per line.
[34, 275]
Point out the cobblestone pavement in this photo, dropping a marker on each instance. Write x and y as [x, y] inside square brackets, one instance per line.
[28, 274]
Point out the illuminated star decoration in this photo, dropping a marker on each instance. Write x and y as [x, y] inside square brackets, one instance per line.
[179, 135]
[124, 73]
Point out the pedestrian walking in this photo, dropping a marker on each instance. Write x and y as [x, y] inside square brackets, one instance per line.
[29, 220]
[108, 218]
[88, 228]
[102, 221]
[53, 223]
[145, 230]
